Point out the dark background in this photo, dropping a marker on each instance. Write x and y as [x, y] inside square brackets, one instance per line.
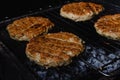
[13, 8]
[10, 8]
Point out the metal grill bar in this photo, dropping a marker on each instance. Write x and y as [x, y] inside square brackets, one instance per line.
[105, 46]
[101, 53]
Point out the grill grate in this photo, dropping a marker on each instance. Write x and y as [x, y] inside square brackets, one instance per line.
[101, 54]
[107, 52]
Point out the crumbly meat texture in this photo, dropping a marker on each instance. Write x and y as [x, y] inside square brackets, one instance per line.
[109, 26]
[80, 11]
[54, 49]
[26, 28]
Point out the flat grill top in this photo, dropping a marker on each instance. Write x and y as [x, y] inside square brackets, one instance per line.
[101, 54]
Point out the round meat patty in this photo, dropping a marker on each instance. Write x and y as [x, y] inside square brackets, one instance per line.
[80, 11]
[109, 26]
[26, 28]
[54, 49]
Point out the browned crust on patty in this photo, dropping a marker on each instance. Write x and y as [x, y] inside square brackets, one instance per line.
[54, 49]
[96, 8]
[79, 8]
[109, 26]
[83, 10]
[26, 28]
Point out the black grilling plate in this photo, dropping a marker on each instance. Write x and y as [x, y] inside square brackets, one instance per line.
[101, 54]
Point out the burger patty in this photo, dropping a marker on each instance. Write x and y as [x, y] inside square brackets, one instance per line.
[26, 28]
[54, 49]
[80, 11]
[109, 26]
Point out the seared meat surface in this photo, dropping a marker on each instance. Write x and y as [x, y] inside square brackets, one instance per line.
[54, 49]
[80, 11]
[26, 28]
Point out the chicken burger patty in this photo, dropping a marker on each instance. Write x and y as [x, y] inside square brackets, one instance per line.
[26, 28]
[80, 11]
[109, 26]
[54, 49]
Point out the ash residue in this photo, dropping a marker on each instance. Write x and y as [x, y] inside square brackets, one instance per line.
[72, 71]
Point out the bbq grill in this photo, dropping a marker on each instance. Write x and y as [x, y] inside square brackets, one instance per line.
[101, 55]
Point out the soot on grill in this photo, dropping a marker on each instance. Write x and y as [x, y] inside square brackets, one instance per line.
[72, 71]
[102, 59]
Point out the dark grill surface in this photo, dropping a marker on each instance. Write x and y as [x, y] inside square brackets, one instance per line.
[100, 55]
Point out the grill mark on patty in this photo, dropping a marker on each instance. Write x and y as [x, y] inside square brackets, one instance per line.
[48, 60]
[49, 41]
[28, 27]
[86, 9]
[56, 49]
[95, 8]
[35, 31]
[109, 26]
[53, 52]
[64, 37]
[36, 26]
[80, 11]
[76, 8]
